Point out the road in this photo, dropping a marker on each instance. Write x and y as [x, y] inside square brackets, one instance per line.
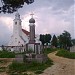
[62, 66]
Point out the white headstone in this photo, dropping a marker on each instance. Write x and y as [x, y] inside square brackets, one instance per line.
[72, 49]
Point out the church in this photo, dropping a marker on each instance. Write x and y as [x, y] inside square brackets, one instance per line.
[23, 40]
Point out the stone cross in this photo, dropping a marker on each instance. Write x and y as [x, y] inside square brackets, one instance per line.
[32, 14]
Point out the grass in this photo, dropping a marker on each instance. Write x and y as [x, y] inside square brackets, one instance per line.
[32, 66]
[66, 54]
[49, 50]
[22, 68]
[2, 69]
[6, 54]
[2, 61]
[38, 72]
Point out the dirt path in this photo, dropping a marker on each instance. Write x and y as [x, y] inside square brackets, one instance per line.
[62, 66]
[5, 63]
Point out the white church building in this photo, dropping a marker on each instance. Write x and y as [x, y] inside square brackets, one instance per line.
[22, 40]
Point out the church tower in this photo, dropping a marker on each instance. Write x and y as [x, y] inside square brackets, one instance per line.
[32, 30]
[17, 29]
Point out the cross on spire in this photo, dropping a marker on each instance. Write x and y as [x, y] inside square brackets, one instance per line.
[32, 14]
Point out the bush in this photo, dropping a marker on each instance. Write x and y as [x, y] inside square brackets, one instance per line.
[6, 54]
[65, 53]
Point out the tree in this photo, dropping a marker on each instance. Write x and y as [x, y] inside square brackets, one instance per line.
[60, 41]
[65, 40]
[47, 38]
[54, 41]
[10, 6]
[42, 39]
[73, 41]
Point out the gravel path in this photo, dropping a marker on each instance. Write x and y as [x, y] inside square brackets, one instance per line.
[62, 66]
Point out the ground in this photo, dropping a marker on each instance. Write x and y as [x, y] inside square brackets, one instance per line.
[62, 66]
[5, 63]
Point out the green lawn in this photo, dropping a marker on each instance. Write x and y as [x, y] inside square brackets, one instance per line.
[6, 54]
[49, 50]
[66, 54]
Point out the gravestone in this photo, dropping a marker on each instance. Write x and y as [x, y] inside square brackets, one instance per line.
[72, 49]
[19, 58]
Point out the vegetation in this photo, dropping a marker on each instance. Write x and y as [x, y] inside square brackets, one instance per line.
[10, 6]
[54, 41]
[62, 41]
[65, 40]
[6, 54]
[66, 54]
[45, 38]
[73, 41]
[49, 50]
[2, 69]
[32, 66]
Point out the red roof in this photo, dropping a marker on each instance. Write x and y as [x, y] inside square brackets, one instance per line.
[25, 31]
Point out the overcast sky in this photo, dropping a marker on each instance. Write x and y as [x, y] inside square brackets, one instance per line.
[52, 16]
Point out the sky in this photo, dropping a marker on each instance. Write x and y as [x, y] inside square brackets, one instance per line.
[51, 16]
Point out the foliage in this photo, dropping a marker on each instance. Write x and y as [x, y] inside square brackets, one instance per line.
[65, 40]
[2, 69]
[6, 54]
[45, 38]
[32, 66]
[73, 41]
[10, 6]
[65, 53]
[49, 50]
[54, 41]
[42, 39]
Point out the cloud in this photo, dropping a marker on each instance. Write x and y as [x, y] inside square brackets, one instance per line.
[7, 21]
[52, 21]
[52, 16]
[5, 29]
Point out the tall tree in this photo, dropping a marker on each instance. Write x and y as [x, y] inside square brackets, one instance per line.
[47, 38]
[73, 41]
[10, 6]
[65, 40]
[54, 41]
[42, 39]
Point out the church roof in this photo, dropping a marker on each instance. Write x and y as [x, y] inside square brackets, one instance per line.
[25, 31]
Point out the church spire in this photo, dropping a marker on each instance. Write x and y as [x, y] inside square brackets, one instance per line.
[17, 15]
[32, 14]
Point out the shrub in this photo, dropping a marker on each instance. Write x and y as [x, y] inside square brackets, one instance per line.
[65, 53]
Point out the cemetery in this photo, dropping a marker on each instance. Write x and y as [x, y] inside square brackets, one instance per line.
[51, 52]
